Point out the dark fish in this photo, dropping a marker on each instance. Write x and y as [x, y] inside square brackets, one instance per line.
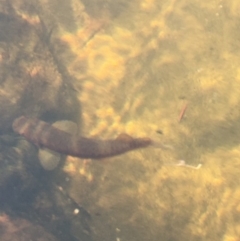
[43, 134]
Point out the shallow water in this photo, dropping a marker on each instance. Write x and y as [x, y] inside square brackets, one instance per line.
[167, 70]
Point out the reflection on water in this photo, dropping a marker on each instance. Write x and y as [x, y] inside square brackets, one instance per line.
[133, 67]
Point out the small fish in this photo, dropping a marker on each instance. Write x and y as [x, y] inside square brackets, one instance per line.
[43, 134]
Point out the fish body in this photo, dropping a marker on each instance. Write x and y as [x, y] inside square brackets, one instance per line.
[43, 134]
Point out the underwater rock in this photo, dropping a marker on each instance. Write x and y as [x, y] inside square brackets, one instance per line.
[50, 159]
[29, 192]
[18, 229]
[32, 79]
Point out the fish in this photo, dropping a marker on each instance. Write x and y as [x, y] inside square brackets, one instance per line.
[42, 134]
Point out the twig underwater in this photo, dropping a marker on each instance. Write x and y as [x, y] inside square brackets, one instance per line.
[182, 113]
[182, 163]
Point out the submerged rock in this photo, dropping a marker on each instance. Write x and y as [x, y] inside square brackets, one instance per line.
[32, 80]
[34, 83]
[18, 229]
[29, 192]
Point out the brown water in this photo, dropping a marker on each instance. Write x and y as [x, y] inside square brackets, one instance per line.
[136, 66]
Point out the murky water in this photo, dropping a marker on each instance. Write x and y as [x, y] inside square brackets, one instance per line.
[164, 69]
